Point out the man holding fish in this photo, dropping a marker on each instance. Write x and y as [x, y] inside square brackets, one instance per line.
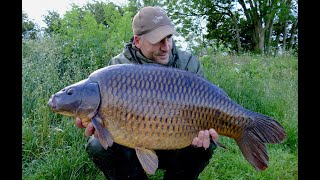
[153, 43]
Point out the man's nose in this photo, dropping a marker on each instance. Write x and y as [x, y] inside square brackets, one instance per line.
[164, 44]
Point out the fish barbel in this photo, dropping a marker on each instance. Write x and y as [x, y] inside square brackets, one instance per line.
[152, 107]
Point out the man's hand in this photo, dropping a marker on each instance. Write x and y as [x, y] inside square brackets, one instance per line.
[203, 139]
[89, 129]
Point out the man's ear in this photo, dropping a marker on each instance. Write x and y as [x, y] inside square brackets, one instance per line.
[137, 41]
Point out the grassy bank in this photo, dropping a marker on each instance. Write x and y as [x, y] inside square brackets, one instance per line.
[53, 148]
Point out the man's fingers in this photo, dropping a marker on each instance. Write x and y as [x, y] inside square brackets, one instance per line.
[89, 130]
[96, 134]
[195, 141]
[206, 139]
[214, 134]
[200, 135]
[199, 143]
[79, 123]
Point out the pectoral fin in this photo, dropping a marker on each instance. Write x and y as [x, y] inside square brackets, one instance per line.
[105, 137]
[148, 159]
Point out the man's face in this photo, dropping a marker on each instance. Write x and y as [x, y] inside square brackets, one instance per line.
[158, 52]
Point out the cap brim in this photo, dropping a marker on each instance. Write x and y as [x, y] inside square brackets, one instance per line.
[158, 34]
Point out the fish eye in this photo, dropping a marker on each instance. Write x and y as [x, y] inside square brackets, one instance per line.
[70, 92]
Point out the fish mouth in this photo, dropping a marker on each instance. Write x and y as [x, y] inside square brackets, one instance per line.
[55, 107]
[52, 103]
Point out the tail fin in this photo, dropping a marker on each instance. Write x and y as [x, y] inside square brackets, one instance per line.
[263, 129]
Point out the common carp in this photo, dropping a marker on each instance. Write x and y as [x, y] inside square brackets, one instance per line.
[152, 107]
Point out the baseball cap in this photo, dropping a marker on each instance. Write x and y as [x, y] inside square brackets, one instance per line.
[153, 23]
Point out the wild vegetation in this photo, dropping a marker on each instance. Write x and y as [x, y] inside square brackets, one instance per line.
[85, 39]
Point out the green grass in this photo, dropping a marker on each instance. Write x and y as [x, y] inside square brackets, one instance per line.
[53, 148]
[268, 85]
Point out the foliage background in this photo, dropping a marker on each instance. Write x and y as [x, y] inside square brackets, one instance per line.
[85, 39]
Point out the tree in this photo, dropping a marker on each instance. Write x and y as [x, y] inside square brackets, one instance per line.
[225, 12]
[237, 24]
[287, 25]
[29, 28]
[52, 21]
[260, 15]
[95, 30]
[221, 19]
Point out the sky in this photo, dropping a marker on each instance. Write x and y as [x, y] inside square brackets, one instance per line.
[36, 9]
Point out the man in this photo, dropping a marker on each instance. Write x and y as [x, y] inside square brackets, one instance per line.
[152, 43]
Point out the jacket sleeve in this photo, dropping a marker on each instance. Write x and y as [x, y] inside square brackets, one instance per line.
[190, 63]
[195, 66]
[119, 59]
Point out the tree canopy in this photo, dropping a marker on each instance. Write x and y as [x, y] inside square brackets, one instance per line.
[265, 26]
[239, 25]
